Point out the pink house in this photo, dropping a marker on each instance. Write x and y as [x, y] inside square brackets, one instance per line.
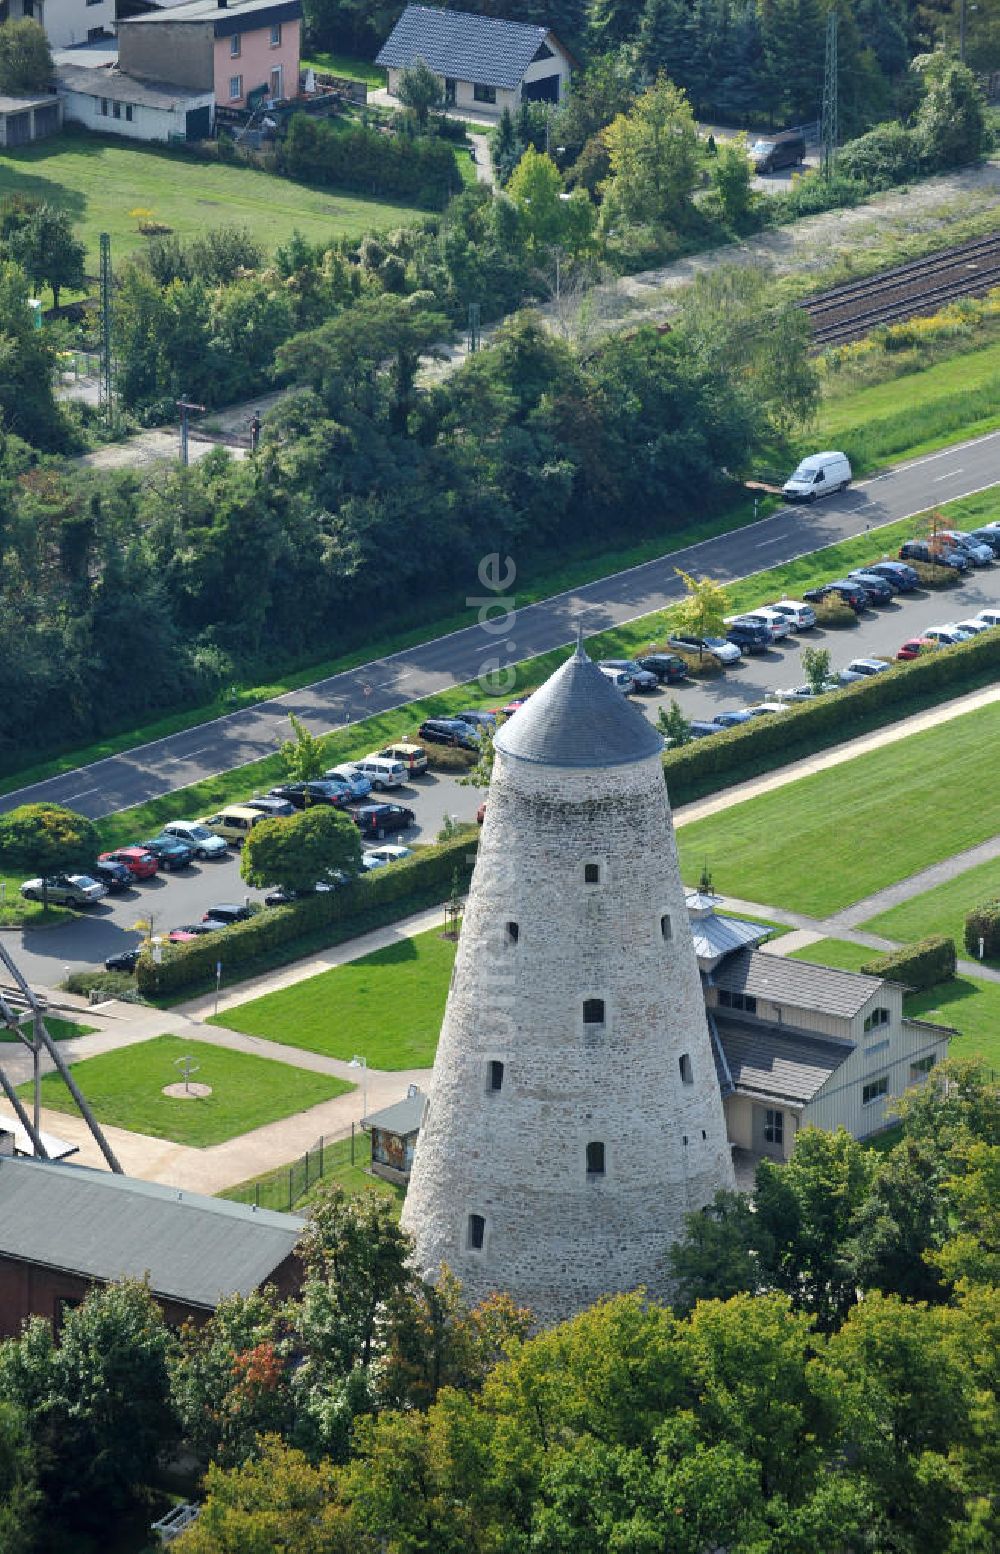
[245, 52]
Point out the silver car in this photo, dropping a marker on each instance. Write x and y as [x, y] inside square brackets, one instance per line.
[358, 784]
[205, 842]
[65, 890]
[642, 679]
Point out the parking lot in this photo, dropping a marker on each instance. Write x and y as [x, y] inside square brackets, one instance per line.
[45, 955]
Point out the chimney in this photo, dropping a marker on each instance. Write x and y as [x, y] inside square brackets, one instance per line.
[223, 4]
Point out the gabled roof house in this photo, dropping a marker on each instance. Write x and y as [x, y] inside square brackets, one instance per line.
[484, 63]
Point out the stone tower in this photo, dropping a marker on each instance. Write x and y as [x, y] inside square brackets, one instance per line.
[574, 1114]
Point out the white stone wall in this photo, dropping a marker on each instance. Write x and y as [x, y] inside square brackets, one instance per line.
[554, 1238]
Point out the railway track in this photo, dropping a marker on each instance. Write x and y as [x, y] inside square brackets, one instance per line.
[906, 291]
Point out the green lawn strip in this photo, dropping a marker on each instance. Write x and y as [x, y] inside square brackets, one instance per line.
[791, 579]
[58, 1029]
[288, 1190]
[543, 583]
[969, 1004]
[333, 63]
[834, 837]
[15, 911]
[941, 910]
[125, 1090]
[387, 1005]
[98, 180]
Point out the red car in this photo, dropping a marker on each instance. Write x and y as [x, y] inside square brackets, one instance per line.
[140, 864]
[914, 646]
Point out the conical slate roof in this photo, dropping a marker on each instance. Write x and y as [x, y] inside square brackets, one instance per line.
[578, 718]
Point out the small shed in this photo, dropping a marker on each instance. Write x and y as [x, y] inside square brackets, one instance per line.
[25, 119]
[393, 1133]
[114, 103]
[484, 63]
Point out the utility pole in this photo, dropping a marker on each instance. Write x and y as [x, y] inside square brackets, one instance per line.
[474, 328]
[829, 126]
[185, 406]
[106, 376]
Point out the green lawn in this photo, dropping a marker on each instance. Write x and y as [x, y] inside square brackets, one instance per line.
[99, 180]
[286, 1188]
[14, 910]
[943, 909]
[125, 1090]
[969, 1004]
[387, 1006]
[334, 64]
[59, 1030]
[827, 840]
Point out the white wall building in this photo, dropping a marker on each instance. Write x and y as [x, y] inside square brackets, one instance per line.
[67, 21]
[116, 104]
[575, 1114]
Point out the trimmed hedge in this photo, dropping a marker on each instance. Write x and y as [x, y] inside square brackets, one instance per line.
[422, 170]
[919, 966]
[706, 765]
[983, 922]
[383, 895]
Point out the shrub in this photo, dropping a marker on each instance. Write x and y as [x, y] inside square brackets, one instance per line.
[919, 966]
[421, 169]
[445, 758]
[698, 668]
[887, 155]
[933, 576]
[834, 611]
[983, 922]
[110, 984]
[384, 895]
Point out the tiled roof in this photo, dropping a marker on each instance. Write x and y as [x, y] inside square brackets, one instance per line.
[777, 1064]
[103, 1226]
[579, 719]
[462, 46]
[797, 983]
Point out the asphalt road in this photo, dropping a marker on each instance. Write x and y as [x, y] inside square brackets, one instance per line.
[479, 650]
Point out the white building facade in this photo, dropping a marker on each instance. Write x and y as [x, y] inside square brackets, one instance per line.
[67, 22]
[575, 1114]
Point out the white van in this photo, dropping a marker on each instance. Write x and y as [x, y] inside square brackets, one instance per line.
[619, 677]
[381, 770]
[816, 476]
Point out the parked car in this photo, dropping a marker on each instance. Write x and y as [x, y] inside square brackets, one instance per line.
[667, 667]
[205, 842]
[881, 590]
[115, 877]
[862, 669]
[802, 616]
[619, 678]
[449, 731]
[272, 808]
[700, 728]
[851, 593]
[920, 550]
[170, 852]
[378, 819]
[384, 772]
[233, 823]
[321, 790]
[227, 912]
[974, 627]
[946, 636]
[878, 588]
[733, 718]
[989, 535]
[642, 679]
[808, 692]
[358, 785]
[770, 153]
[413, 757]
[989, 617]
[914, 646]
[749, 636]
[479, 717]
[79, 890]
[140, 863]
[766, 708]
[123, 960]
[514, 704]
[388, 852]
[279, 896]
[777, 623]
[979, 553]
[817, 476]
[710, 647]
[195, 930]
[896, 572]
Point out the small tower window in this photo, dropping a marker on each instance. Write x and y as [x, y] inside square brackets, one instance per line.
[513, 933]
[494, 1075]
[687, 1073]
[665, 927]
[476, 1233]
[593, 1011]
[595, 1159]
[592, 874]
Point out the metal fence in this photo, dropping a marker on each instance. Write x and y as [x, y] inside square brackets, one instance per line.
[284, 1188]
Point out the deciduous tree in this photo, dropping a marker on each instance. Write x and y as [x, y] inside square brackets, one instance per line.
[419, 89]
[316, 846]
[302, 755]
[25, 58]
[702, 611]
[653, 152]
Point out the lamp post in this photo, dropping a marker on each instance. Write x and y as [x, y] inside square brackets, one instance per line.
[362, 1063]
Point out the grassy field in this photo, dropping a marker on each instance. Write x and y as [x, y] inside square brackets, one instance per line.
[59, 1030]
[827, 840]
[14, 910]
[285, 1190]
[969, 1004]
[943, 909]
[99, 180]
[959, 396]
[334, 64]
[125, 1090]
[386, 1006]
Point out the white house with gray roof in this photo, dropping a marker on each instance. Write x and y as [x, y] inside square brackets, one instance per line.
[484, 63]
